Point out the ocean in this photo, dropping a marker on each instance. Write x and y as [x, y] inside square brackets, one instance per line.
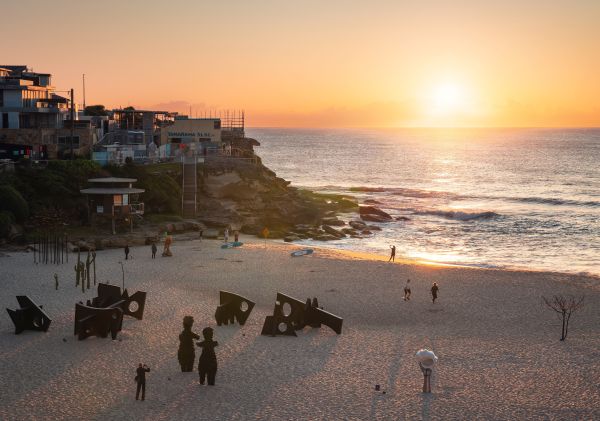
[498, 198]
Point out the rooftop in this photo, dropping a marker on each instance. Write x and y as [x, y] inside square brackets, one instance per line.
[112, 190]
[112, 180]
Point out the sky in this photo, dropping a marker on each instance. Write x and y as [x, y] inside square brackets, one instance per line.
[381, 63]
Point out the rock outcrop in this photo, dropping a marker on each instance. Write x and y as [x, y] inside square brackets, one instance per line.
[373, 214]
[248, 197]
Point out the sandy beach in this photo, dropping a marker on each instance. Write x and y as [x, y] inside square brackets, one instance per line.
[499, 352]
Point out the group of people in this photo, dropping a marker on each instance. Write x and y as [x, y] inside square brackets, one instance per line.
[236, 235]
[434, 291]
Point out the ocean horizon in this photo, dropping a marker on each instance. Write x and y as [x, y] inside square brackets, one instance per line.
[515, 198]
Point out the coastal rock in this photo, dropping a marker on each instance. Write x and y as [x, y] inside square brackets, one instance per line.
[375, 218]
[333, 222]
[366, 232]
[333, 231]
[359, 225]
[302, 228]
[402, 218]
[210, 233]
[325, 237]
[372, 210]
[349, 231]
[291, 238]
[372, 202]
[373, 228]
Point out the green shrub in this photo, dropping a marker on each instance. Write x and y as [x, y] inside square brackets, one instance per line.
[6, 219]
[12, 201]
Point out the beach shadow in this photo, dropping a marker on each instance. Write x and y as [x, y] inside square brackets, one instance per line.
[426, 402]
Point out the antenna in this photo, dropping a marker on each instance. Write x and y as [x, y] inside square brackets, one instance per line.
[84, 91]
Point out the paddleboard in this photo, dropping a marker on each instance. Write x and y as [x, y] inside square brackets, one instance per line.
[231, 244]
[302, 252]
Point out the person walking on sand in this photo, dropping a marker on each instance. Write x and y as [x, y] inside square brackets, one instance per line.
[126, 251]
[154, 250]
[140, 379]
[407, 290]
[226, 235]
[392, 254]
[236, 236]
[434, 292]
[201, 234]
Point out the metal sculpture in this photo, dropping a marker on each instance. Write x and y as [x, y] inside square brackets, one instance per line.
[29, 317]
[104, 313]
[93, 321]
[109, 295]
[300, 314]
[233, 307]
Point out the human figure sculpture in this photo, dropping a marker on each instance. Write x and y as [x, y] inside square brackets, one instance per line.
[167, 248]
[88, 264]
[207, 364]
[94, 263]
[77, 274]
[56, 281]
[186, 354]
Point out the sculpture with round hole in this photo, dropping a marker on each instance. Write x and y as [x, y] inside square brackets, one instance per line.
[29, 316]
[233, 307]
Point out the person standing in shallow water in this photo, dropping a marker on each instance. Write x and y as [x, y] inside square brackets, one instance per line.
[207, 364]
[140, 379]
[126, 251]
[392, 254]
[434, 292]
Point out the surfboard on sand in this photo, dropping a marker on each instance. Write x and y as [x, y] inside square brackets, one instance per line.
[232, 244]
[302, 252]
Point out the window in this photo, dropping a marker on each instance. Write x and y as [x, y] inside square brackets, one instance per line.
[4, 120]
[1, 97]
[100, 209]
[66, 140]
[217, 124]
[117, 200]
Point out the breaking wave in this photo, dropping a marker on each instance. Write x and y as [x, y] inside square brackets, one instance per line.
[459, 215]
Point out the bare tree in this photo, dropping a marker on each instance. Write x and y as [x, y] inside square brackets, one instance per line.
[565, 306]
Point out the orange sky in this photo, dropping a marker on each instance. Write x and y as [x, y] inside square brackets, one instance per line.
[323, 63]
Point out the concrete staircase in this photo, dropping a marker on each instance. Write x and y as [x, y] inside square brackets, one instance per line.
[189, 188]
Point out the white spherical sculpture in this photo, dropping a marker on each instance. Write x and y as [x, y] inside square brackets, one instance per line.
[426, 358]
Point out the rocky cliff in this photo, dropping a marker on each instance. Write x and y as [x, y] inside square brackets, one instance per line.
[246, 195]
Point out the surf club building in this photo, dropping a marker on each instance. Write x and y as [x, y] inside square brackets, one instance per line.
[199, 136]
[114, 199]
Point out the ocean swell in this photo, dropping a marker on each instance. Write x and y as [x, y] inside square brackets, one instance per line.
[459, 215]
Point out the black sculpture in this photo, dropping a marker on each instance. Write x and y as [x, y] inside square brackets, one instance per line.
[104, 313]
[233, 307]
[186, 353]
[207, 364]
[93, 321]
[300, 315]
[109, 295]
[29, 317]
